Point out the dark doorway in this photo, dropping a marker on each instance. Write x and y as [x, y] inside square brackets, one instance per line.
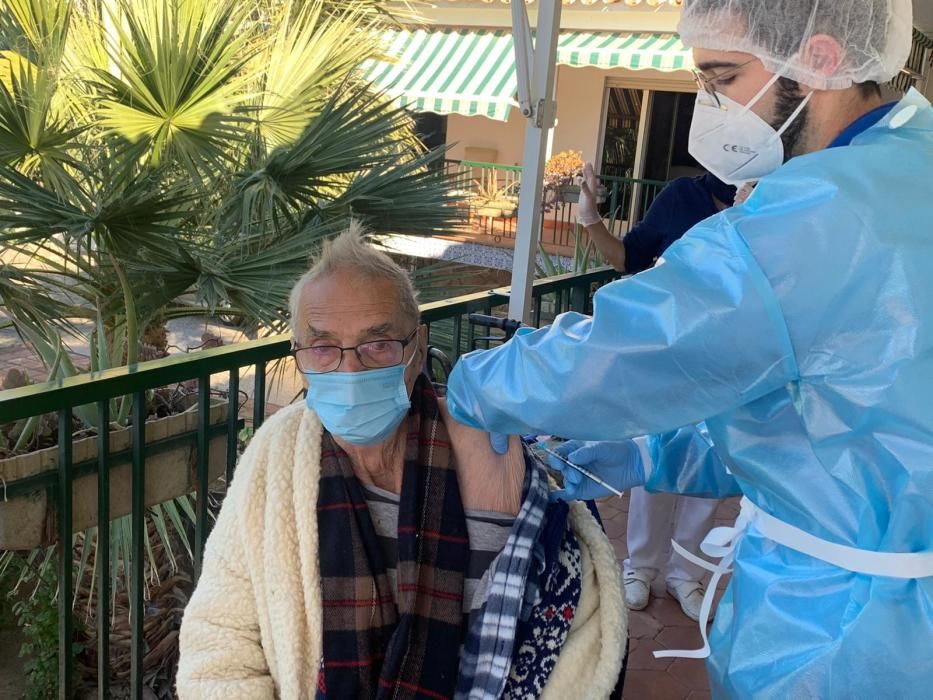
[431, 128]
[666, 155]
[621, 140]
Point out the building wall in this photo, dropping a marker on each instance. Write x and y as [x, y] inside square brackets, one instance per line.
[506, 138]
[595, 17]
[580, 94]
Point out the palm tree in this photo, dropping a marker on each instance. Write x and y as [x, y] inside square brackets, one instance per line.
[163, 158]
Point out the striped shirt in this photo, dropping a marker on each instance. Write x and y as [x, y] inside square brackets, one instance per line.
[487, 533]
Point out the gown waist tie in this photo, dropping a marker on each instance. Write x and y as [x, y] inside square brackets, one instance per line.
[721, 543]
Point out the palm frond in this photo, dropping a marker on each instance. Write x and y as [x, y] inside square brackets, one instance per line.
[354, 132]
[34, 134]
[31, 212]
[178, 82]
[416, 196]
[36, 28]
[26, 297]
[393, 13]
[308, 57]
[240, 275]
[139, 218]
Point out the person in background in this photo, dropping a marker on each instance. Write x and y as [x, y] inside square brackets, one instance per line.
[681, 205]
[655, 518]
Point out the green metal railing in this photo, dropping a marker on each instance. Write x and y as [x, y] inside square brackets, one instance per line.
[627, 200]
[450, 329]
[99, 388]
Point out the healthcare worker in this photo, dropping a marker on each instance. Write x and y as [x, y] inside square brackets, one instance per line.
[800, 326]
[655, 518]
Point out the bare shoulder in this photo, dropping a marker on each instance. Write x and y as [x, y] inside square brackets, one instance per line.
[488, 481]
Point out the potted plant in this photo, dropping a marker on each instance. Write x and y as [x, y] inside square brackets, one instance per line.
[494, 200]
[562, 174]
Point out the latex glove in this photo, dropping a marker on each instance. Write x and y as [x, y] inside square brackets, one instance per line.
[744, 192]
[617, 463]
[499, 442]
[587, 211]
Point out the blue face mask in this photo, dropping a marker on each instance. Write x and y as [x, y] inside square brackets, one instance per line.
[363, 408]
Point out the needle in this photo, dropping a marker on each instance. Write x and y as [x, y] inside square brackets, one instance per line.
[586, 472]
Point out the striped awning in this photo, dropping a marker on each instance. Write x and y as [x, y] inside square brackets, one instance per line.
[664, 52]
[472, 72]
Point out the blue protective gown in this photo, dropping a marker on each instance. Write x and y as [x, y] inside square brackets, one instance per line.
[684, 461]
[802, 321]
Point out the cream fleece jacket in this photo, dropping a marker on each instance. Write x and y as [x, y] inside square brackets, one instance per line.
[252, 629]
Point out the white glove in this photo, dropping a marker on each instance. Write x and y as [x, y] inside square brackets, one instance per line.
[745, 191]
[587, 212]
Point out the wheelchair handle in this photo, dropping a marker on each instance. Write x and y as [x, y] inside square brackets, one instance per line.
[507, 325]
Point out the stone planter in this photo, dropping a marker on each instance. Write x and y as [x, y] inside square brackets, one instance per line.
[487, 211]
[29, 521]
[570, 194]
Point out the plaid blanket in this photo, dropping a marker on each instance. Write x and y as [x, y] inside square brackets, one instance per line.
[371, 649]
[488, 648]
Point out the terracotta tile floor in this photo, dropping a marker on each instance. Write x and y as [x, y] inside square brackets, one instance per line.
[661, 625]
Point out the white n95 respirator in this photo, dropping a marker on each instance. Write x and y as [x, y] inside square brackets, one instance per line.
[734, 143]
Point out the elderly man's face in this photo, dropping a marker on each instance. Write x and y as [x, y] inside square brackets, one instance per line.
[346, 308]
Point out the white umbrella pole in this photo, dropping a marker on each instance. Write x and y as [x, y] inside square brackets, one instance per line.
[536, 98]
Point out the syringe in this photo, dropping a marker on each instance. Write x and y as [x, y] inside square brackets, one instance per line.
[586, 472]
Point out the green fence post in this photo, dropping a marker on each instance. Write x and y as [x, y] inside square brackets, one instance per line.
[458, 334]
[200, 524]
[233, 414]
[102, 554]
[259, 396]
[137, 533]
[578, 294]
[65, 557]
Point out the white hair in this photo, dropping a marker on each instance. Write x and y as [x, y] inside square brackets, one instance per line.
[350, 251]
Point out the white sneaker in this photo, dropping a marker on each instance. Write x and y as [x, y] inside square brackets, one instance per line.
[637, 588]
[690, 596]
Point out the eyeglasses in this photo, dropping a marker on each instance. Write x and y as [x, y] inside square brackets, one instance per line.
[708, 85]
[373, 354]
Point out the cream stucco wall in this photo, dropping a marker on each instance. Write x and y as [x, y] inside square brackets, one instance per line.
[594, 17]
[506, 138]
[580, 93]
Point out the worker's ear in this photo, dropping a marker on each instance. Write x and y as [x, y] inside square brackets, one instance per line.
[823, 54]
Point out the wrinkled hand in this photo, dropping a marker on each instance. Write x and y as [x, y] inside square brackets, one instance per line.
[587, 211]
[617, 463]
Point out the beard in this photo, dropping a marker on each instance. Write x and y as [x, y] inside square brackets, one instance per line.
[787, 100]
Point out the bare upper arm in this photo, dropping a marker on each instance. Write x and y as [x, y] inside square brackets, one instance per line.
[488, 481]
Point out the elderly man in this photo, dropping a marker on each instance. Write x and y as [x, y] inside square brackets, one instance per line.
[370, 546]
